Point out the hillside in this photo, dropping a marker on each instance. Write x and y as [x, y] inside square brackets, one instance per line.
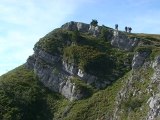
[85, 72]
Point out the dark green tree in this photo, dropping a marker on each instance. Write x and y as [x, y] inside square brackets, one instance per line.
[94, 22]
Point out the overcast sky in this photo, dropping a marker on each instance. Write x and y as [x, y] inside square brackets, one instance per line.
[23, 22]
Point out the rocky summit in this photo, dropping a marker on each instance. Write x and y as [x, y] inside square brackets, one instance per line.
[85, 72]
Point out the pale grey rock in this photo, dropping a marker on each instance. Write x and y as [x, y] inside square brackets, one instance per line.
[73, 26]
[154, 101]
[91, 79]
[123, 42]
[56, 79]
[139, 59]
[70, 68]
[156, 67]
[94, 30]
[48, 58]
[156, 63]
[154, 104]
[82, 27]
[80, 73]
[57, 82]
[69, 91]
[70, 26]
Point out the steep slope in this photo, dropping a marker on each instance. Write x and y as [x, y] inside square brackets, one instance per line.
[23, 97]
[105, 74]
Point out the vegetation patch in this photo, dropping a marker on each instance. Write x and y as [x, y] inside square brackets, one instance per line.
[23, 97]
[89, 60]
[82, 87]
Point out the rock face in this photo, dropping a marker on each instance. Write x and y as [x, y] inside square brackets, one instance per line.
[154, 104]
[139, 59]
[70, 68]
[56, 79]
[94, 30]
[82, 27]
[121, 41]
[154, 101]
[156, 67]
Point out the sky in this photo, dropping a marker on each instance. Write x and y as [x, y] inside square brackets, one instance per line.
[24, 22]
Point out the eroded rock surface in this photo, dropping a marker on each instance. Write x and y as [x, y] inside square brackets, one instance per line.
[139, 59]
[122, 41]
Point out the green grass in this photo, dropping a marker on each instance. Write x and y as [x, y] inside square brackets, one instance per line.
[22, 96]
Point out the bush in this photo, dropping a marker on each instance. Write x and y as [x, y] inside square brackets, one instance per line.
[132, 104]
[89, 60]
[144, 49]
[94, 22]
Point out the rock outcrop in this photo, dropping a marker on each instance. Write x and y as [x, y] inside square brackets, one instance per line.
[57, 79]
[123, 42]
[154, 101]
[154, 105]
[156, 67]
[81, 27]
[73, 26]
[94, 30]
[139, 59]
[70, 68]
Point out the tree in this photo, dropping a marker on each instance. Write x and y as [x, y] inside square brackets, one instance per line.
[94, 22]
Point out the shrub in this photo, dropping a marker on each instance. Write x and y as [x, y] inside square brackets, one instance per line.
[132, 104]
[89, 59]
[94, 22]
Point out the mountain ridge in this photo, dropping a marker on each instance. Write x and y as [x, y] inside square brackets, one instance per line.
[89, 63]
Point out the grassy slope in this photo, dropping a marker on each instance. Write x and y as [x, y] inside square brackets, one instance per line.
[100, 104]
[22, 97]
